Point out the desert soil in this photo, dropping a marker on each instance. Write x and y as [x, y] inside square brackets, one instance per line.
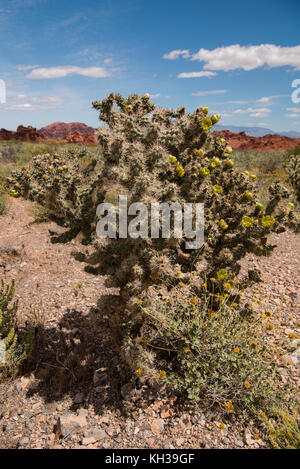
[70, 393]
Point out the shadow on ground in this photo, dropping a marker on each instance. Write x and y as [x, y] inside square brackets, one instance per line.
[78, 356]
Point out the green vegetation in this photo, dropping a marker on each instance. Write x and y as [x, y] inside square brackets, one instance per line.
[14, 349]
[283, 429]
[179, 318]
[221, 356]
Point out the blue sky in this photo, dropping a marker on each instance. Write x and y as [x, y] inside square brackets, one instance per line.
[238, 58]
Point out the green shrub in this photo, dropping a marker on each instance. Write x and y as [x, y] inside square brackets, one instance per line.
[283, 429]
[293, 171]
[13, 348]
[219, 355]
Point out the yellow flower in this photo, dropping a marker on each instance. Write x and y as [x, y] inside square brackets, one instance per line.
[261, 207]
[234, 305]
[139, 372]
[248, 195]
[292, 336]
[205, 285]
[179, 170]
[222, 274]
[222, 426]
[172, 159]
[236, 350]
[215, 118]
[187, 349]
[204, 172]
[215, 162]
[247, 222]
[212, 279]
[228, 285]
[270, 326]
[205, 110]
[78, 286]
[228, 150]
[143, 339]
[228, 406]
[197, 152]
[217, 189]
[162, 374]
[229, 163]
[268, 312]
[138, 302]
[181, 284]
[267, 221]
[223, 225]
[254, 345]
[206, 123]
[194, 301]
[247, 384]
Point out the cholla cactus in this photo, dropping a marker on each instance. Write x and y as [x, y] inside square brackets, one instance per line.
[13, 351]
[158, 155]
[65, 183]
[293, 170]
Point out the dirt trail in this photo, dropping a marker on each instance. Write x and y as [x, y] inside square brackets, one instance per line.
[54, 288]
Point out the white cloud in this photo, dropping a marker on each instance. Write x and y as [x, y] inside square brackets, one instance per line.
[269, 99]
[293, 109]
[175, 54]
[31, 103]
[206, 93]
[107, 61]
[233, 102]
[64, 71]
[154, 96]
[196, 74]
[292, 115]
[26, 67]
[245, 57]
[251, 110]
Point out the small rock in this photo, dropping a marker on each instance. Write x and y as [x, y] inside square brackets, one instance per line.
[68, 423]
[157, 426]
[239, 443]
[79, 397]
[100, 377]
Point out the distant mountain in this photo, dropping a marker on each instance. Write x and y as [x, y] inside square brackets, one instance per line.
[257, 131]
[60, 130]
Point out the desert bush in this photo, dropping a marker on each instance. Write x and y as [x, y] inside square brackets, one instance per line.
[283, 429]
[14, 347]
[219, 355]
[293, 171]
[157, 155]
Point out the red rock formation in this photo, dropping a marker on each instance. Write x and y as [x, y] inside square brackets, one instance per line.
[25, 134]
[242, 141]
[60, 130]
[78, 137]
[76, 132]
